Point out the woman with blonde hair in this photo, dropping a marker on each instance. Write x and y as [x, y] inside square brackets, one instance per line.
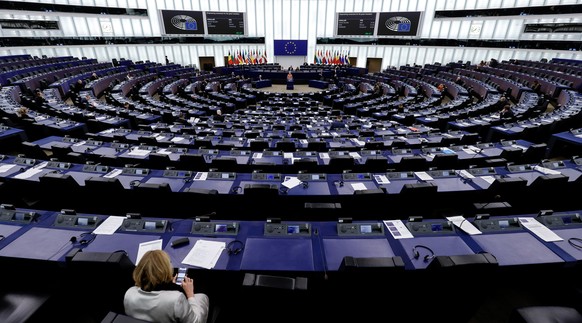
[157, 298]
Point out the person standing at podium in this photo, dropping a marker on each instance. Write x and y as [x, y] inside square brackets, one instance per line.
[157, 298]
[289, 77]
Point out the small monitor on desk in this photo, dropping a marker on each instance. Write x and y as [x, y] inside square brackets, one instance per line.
[286, 230]
[215, 228]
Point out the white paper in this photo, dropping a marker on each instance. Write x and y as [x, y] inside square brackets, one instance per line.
[424, 176]
[31, 171]
[539, 230]
[147, 246]
[113, 173]
[291, 181]
[463, 224]
[164, 151]
[176, 139]
[204, 254]
[80, 143]
[381, 179]
[397, 229]
[5, 168]
[200, 176]
[355, 155]
[359, 186]
[324, 155]
[258, 155]
[465, 174]
[546, 171]
[138, 152]
[288, 155]
[110, 225]
[489, 179]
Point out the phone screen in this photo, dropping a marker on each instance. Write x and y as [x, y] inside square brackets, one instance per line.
[181, 275]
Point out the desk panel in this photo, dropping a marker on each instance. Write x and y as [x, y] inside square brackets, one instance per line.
[517, 248]
[278, 254]
[7, 229]
[223, 187]
[176, 184]
[41, 243]
[442, 246]
[336, 249]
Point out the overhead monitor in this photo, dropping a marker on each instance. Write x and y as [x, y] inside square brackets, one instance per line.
[356, 23]
[398, 23]
[182, 22]
[225, 23]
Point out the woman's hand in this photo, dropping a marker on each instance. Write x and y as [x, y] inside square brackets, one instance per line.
[188, 286]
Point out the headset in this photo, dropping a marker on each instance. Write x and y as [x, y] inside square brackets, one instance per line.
[575, 242]
[427, 257]
[234, 247]
[236, 190]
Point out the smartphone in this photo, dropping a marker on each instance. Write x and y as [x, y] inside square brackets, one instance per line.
[181, 274]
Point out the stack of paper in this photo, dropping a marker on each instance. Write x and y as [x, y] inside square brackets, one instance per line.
[204, 254]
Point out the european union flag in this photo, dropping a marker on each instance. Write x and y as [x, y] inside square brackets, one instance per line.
[290, 47]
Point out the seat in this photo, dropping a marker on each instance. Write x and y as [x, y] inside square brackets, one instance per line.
[445, 161]
[32, 150]
[111, 271]
[22, 306]
[67, 187]
[306, 165]
[338, 164]
[511, 154]
[469, 138]
[286, 146]
[319, 146]
[159, 161]
[412, 163]
[534, 154]
[545, 314]
[259, 145]
[225, 164]
[194, 162]
[376, 164]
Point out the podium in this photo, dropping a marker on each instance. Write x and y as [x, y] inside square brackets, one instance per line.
[290, 85]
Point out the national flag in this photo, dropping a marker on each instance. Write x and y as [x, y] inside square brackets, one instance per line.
[230, 62]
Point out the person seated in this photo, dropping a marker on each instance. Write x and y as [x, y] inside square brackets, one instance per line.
[338, 123]
[22, 112]
[506, 113]
[157, 298]
[218, 117]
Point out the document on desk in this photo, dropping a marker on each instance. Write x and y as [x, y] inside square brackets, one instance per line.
[489, 179]
[423, 176]
[546, 171]
[5, 168]
[147, 246]
[164, 151]
[539, 230]
[397, 229]
[138, 152]
[113, 173]
[200, 176]
[110, 225]
[464, 225]
[204, 254]
[258, 155]
[355, 155]
[381, 179]
[291, 181]
[465, 174]
[359, 186]
[324, 155]
[177, 139]
[31, 171]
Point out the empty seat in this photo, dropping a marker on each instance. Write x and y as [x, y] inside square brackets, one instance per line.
[338, 164]
[534, 153]
[412, 163]
[445, 161]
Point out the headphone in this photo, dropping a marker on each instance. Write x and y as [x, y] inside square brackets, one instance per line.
[576, 243]
[84, 241]
[233, 249]
[427, 257]
[236, 190]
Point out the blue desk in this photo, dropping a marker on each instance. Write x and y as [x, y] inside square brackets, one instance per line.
[318, 84]
[262, 83]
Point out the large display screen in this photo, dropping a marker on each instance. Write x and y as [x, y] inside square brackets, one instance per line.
[225, 23]
[398, 23]
[356, 24]
[378, 24]
[180, 22]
